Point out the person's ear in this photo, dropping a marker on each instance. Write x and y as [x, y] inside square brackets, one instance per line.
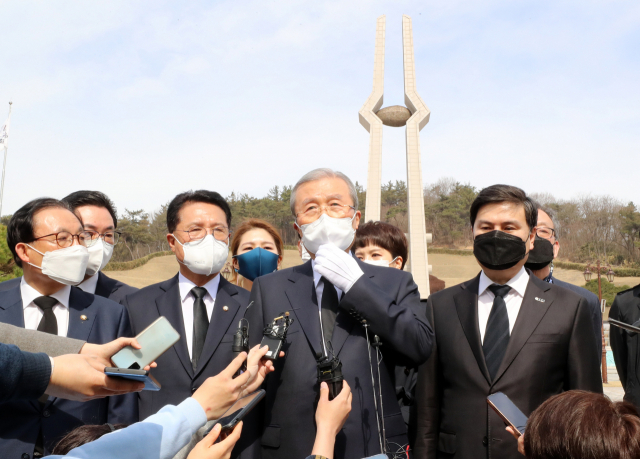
[297, 229]
[279, 261]
[532, 238]
[398, 263]
[21, 251]
[234, 263]
[171, 239]
[556, 249]
[356, 220]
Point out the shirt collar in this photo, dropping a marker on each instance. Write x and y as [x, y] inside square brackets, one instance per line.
[90, 284]
[186, 285]
[316, 275]
[518, 282]
[29, 294]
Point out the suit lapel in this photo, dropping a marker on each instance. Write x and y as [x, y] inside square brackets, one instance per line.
[535, 304]
[220, 320]
[170, 306]
[306, 312]
[80, 305]
[466, 301]
[11, 309]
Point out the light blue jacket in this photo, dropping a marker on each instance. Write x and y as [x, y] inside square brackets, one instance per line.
[160, 436]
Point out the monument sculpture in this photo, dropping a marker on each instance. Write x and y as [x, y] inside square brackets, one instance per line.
[414, 116]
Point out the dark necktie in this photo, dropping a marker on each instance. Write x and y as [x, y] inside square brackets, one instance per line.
[496, 335]
[200, 324]
[48, 323]
[329, 310]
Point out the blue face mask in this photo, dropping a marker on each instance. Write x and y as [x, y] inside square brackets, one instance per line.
[256, 263]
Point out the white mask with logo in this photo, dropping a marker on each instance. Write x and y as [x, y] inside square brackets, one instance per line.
[382, 263]
[67, 266]
[206, 256]
[328, 230]
[99, 255]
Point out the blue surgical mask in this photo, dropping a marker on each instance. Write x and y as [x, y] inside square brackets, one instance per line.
[256, 263]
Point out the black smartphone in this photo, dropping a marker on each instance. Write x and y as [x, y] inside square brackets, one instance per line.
[508, 411]
[238, 411]
[149, 381]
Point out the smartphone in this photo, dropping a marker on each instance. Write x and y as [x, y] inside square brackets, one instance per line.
[508, 411]
[155, 340]
[238, 411]
[625, 326]
[149, 381]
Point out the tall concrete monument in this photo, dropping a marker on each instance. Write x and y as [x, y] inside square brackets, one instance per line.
[414, 116]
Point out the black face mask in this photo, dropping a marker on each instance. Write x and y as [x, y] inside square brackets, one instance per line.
[499, 250]
[541, 254]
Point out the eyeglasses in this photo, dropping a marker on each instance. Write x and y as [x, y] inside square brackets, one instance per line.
[65, 239]
[334, 210]
[196, 234]
[110, 237]
[545, 233]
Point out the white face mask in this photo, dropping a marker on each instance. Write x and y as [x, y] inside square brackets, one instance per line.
[206, 256]
[304, 254]
[328, 230]
[66, 266]
[99, 255]
[383, 263]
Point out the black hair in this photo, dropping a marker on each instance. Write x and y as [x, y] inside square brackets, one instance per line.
[210, 197]
[383, 235]
[20, 227]
[504, 193]
[83, 435]
[92, 198]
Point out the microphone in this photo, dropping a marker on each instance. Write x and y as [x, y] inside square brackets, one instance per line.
[241, 341]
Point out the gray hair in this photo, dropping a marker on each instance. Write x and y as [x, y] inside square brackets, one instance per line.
[552, 215]
[318, 174]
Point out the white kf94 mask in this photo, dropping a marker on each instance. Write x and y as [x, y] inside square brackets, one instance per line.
[206, 256]
[328, 230]
[67, 266]
[382, 263]
[99, 255]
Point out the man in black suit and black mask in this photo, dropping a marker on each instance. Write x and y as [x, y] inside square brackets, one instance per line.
[503, 331]
[329, 298]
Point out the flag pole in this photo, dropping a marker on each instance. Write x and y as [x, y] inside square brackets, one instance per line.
[4, 164]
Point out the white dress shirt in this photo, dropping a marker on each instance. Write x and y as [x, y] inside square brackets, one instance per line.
[33, 314]
[513, 299]
[90, 284]
[188, 299]
[319, 289]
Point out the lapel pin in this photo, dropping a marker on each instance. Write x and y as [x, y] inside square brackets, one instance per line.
[225, 308]
[83, 317]
[540, 300]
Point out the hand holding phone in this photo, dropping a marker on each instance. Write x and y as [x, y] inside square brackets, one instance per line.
[238, 411]
[149, 381]
[155, 340]
[508, 411]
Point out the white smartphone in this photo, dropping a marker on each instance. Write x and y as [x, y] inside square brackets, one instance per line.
[155, 340]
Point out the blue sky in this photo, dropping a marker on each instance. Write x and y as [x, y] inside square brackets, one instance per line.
[143, 100]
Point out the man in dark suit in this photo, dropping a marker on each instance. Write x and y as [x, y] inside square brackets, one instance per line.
[503, 331]
[47, 240]
[540, 262]
[200, 304]
[98, 216]
[624, 344]
[329, 299]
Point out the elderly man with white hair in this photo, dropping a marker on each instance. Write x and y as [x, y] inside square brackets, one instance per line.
[331, 298]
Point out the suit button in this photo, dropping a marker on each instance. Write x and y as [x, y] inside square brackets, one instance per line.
[193, 389]
[485, 441]
[25, 456]
[46, 413]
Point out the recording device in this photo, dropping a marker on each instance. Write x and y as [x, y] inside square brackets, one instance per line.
[625, 326]
[275, 334]
[155, 340]
[149, 381]
[508, 411]
[382, 435]
[241, 341]
[330, 371]
[238, 411]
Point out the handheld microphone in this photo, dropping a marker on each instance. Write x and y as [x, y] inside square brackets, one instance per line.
[330, 371]
[241, 341]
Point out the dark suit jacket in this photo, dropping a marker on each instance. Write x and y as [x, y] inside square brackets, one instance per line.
[23, 375]
[594, 307]
[20, 422]
[552, 349]
[389, 300]
[175, 372]
[106, 287]
[625, 345]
